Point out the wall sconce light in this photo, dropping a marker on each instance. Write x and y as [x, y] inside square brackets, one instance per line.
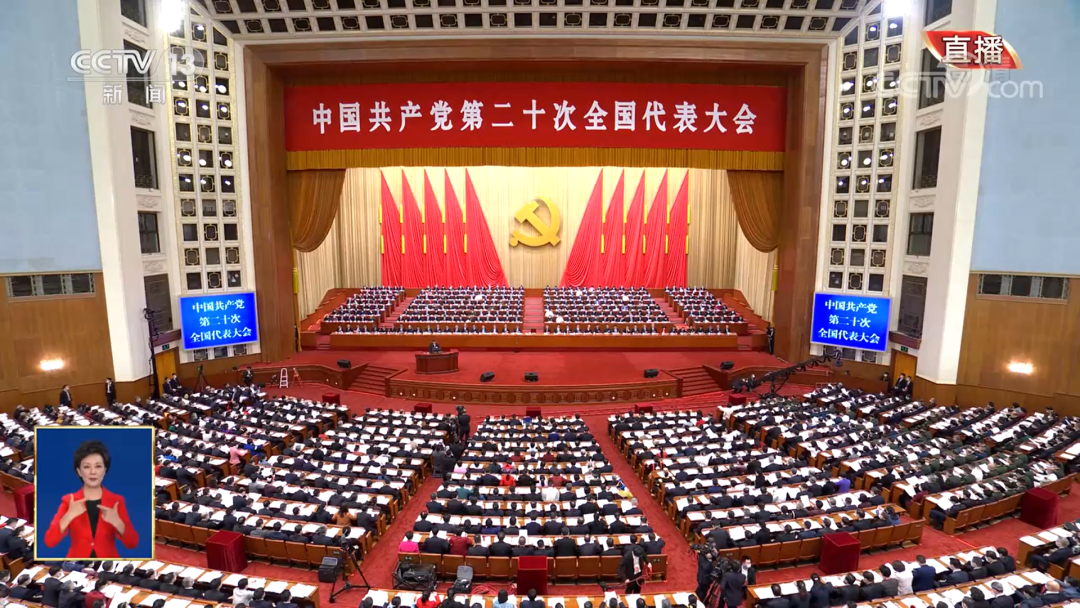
[1017, 367]
[51, 365]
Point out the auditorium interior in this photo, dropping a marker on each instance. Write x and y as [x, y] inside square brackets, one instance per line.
[548, 303]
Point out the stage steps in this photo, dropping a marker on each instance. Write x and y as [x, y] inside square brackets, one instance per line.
[695, 380]
[322, 342]
[676, 319]
[395, 312]
[332, 299]
[532, 320]
[372, 380]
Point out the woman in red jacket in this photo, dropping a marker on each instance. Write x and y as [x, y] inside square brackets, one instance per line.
[94, 516]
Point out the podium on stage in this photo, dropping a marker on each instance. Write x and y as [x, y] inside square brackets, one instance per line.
[532, 574]
[437, 363]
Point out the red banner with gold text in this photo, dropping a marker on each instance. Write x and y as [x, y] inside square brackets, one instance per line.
[535, 114]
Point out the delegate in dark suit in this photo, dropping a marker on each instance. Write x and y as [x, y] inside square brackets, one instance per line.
[731, 588]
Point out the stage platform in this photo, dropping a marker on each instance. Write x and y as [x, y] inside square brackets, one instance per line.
[564, 377]
[745, 337]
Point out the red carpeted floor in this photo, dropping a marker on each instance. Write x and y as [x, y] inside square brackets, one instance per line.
[554, 368]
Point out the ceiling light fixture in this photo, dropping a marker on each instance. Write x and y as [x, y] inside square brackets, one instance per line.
[1017, 367]
[172, 14]
[51, 365]
[897, 8]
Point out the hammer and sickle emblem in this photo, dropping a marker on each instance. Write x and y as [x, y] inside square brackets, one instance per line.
[549, 232]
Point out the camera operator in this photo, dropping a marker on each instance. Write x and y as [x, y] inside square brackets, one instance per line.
[708, 571]
[349, 547]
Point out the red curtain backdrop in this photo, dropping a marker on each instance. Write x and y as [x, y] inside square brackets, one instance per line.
[390, 231]
[433, 230]
[614, 260]
[485, 268]
[415, 269]
[633, 252]
[457, 266]
[678, 231]
[584, 266]
[632, 244]
[654, 237]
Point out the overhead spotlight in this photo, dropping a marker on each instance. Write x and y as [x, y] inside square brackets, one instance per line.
[897, 8]
[1017, 367]
[172, 14]
[51, 365]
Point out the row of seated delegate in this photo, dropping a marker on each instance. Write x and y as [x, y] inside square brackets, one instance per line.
[380, 598]
[905, 578]
[1055, 550]
[701, 308]
[465, 305]
[473, 329]
[956, 469]
[232, 459]
[492, 328]
[716, 484]
[152, 583]
[530, 487]
[369, 306]
[603, 305]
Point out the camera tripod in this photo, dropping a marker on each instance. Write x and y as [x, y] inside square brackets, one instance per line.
[200, 382]
[348, 559]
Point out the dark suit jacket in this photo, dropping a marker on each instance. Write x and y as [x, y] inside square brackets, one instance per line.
[25, 593]
[565, 547]
[731, 588]
[922, 579]
[50, 593]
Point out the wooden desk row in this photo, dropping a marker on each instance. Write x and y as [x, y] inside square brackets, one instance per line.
[1046, 539]
[676, 598]
[931, 598]
[305, 595]
[810, 549]
[307, 554]
[565, 341]
[741, 328]
[974, 515]
[760, 592]
[596, 567]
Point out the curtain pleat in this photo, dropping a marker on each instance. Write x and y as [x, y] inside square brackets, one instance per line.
[654, 234]
[391, 245]
[757, 197]
[614, 260]
[314, 199]
[631, 245]
[485, 268]
[536, 157]
[753, 276]
[457, 266]
[433, 232]
[675, 244]
[319, 272]
[416, 269]
[585, 265]
[713, 227]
